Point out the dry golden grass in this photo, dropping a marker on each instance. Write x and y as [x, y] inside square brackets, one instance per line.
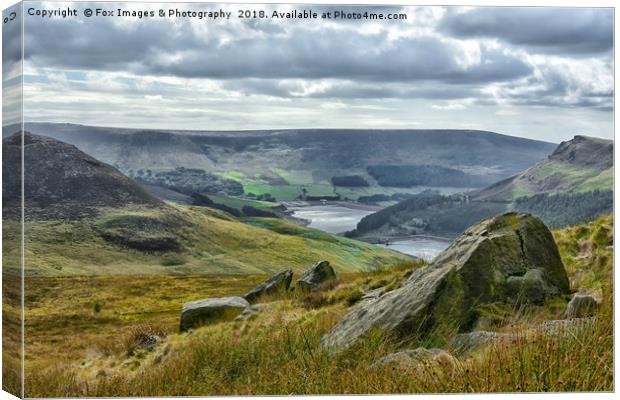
[279, 353]
[74, 350]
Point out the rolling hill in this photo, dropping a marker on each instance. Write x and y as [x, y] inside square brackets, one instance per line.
[580, 165]
[84, 217]
[289, 164]
[572, 185]
[61, 181]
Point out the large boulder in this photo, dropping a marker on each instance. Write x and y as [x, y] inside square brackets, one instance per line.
[581, 306]
[474, 270]
[279, 282]
[200, 312]
[319, 273]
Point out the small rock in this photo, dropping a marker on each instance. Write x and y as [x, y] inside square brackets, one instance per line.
[468, 342]
[580, 306]
[319, 273]
[147, 341]
[199, 312]
[408, 359]
[563, 326]
[249, 312]
[278, 282]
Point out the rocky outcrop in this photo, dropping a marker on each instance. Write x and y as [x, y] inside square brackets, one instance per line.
[591, 156]
[586, 151]
[474, 270]
[319, 273]
[199, 312]
[581, 306]
[277, 283]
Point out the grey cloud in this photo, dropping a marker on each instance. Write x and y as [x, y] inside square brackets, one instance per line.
[100, 44]
[339, 54]
[275, 59]
[554, 89]
[11, 39]
[162, 48]
[544, 29]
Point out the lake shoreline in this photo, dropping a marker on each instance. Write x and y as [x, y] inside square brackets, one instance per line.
[291, 205]
[339, 217]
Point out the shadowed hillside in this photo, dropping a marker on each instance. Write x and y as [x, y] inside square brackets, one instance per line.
[578, 165]
[61, 181]
[84, 217]
[291, 164]
[573, 185]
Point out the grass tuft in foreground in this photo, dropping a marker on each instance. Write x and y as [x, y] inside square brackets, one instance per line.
[284, 357]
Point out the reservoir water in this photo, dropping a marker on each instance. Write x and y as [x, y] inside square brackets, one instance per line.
[422, 247]
[332, 218]
[338, 218]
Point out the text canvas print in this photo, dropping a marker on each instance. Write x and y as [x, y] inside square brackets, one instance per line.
[205, 199]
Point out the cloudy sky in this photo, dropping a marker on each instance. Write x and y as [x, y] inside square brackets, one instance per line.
[544, 73]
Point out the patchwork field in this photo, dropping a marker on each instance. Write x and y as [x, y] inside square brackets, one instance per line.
[297, 184]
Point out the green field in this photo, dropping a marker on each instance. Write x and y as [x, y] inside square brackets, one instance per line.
[303, 180]
[239, 203]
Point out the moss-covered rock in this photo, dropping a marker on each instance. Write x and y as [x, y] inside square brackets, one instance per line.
[201, 312]
[312, 278]
[280, 282]
[509, 258]
[581, 306]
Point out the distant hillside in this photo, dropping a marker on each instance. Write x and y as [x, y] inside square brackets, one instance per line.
[84, 217]
[573, 185]
[61, 181]
[579, 165]
[290, 164]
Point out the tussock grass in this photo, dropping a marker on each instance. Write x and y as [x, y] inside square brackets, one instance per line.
[143, 335]
[587, 253]
[281, 356]
[279, 352]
